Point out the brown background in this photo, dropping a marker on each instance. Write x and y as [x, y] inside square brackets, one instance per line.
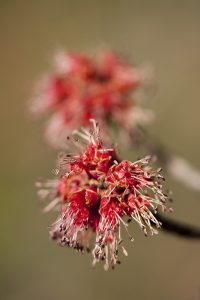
[165, 33]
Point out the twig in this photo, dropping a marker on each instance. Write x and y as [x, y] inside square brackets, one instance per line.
[178, 228]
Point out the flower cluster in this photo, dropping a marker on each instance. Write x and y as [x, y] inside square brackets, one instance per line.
[82, 88]
[96, 194]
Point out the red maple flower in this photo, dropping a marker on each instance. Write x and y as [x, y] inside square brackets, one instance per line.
[97, 193]
[83, 88]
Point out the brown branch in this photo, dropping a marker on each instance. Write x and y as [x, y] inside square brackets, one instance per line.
[178, 228]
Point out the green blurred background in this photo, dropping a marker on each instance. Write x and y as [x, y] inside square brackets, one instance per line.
[164, 33]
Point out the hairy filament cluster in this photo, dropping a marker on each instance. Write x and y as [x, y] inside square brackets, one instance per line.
[96, 194]
[82, 87]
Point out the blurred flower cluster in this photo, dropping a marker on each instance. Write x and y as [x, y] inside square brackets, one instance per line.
[82, 87]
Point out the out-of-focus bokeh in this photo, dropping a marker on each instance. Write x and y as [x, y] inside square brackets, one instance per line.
[164, 33]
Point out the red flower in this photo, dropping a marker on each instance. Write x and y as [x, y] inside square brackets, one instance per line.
[98, 193]
[85, 88]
